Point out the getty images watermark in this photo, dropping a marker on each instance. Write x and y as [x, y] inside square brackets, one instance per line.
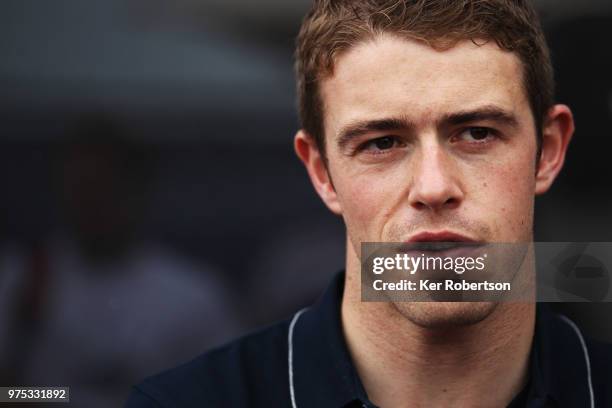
[456, 271]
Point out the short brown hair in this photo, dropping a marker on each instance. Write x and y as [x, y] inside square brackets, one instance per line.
[333, 26]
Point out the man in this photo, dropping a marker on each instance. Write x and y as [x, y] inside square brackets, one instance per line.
[422, 121]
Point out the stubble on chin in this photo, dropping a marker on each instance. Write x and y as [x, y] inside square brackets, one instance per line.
[445, 315]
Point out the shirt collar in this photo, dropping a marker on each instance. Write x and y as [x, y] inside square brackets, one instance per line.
[559, 361]
[324, 374]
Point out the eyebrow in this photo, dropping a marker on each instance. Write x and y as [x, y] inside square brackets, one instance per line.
[489, 112]
[359, 128]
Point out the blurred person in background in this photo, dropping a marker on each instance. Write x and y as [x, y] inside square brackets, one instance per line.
[98, 305]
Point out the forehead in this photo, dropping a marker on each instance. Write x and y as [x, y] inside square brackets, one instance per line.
[392, 76]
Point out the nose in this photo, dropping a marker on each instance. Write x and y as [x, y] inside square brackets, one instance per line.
[435, 181]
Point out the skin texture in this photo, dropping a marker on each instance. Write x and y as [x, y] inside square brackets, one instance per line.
[427, 167]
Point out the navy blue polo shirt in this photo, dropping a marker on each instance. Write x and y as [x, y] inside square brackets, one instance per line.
[304, 362]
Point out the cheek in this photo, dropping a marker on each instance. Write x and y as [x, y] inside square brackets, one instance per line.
[505, 193]
[367, 201]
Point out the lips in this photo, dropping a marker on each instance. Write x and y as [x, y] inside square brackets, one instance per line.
[442, 236]
[440, 242]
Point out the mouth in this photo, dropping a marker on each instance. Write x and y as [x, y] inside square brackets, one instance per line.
[441, 236]
[446, 242]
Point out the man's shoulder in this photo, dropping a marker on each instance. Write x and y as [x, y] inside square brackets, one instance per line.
[586, 362]
[600, 358]
[245, 370]
[599, 352]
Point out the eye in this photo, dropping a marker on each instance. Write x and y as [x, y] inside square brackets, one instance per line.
[384, 143]
[380, 144]
[476, 134]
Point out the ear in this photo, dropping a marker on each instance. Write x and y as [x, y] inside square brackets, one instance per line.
[556, 135]
[308, 152]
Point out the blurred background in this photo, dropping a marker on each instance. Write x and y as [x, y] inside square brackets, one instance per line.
[152, 206]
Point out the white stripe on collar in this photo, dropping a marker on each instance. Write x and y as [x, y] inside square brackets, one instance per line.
[290, 355]
[586, 356]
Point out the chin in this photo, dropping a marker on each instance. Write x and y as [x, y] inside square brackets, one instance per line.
[443, 315]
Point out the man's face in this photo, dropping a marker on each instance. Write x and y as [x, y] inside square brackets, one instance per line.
[425, 141]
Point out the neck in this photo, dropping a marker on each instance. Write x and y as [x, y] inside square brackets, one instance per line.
[404, 364]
